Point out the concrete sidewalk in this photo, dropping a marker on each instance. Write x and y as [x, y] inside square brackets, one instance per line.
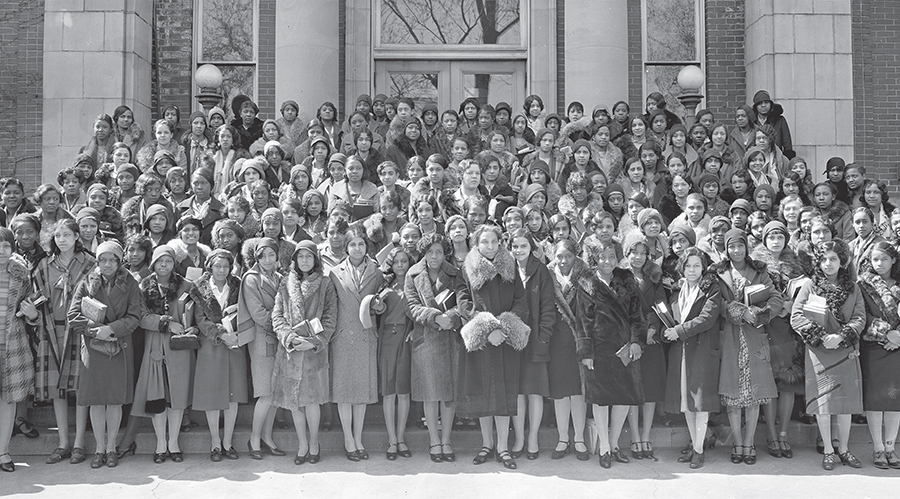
[335, 477]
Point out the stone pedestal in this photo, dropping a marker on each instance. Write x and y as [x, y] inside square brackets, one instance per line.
[800, 52]
[596, 52]
[96, 58]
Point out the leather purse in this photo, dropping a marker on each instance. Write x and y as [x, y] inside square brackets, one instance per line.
[184, 341]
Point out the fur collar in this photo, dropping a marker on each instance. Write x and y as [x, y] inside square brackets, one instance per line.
[156, 302]
[480, 270]
[301, 291]
[786, 264]
[579, 277]
[421, 267]
[885, 297]
[202, 294]
[95, 280]
[837, 210]
[18, 267]
[724, 265]
[181, 252]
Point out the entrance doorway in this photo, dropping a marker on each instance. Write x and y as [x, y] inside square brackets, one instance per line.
[448, 83]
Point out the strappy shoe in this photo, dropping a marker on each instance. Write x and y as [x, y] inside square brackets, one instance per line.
[435, 458]
[879, 459]
[405, 453]
[774, 448]
[697, 460]
[606, 460]
[559, 454]
[750, 456]
[893, 459]
[391, 456]
[78, 456]
[620, 456]
[449, 457]
[737, 457]
[686, 458]
[98, 461]
[313, 458]
[8, 466]
[647, 451]
[848, 459]
[60, 453]
[352, 455]
[581, 455]
[483, 455]
[786, 450]
[636, 450]
[828, 461]
[506, 458]
[25, 427]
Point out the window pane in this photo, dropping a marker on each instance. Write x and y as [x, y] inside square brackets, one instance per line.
[421, 88]
[671, 30]
[664, 79]
[450, 22]
[489, 88]
[237, 80]
[227, 30]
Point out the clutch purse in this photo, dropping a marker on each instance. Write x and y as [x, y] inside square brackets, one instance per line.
[184, 341]
[624, 354]
[110, 348]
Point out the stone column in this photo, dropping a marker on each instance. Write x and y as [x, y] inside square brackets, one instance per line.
[306, 54]
[96, 58]
[596, 52]
[541, 54]
[800, 52]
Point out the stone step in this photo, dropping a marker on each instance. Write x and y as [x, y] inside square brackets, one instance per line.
[375, 438]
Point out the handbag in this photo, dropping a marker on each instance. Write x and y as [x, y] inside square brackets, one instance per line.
[186, 340]
[110, 348]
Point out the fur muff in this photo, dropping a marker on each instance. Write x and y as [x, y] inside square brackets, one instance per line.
[475, 332]
[517, 332]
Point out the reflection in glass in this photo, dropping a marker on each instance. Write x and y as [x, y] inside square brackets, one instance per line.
[421, 88]
[227, 30]
[488, 88]
[236, 80]
[664, 79]
[671, 30]
[450, 22]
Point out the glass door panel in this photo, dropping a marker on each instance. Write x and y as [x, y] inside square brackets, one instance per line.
[489, 82]
[425, 82]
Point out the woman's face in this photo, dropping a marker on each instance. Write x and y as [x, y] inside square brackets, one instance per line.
[326, 112]
[472, 176]
[125, 120]
[638, 128]
[538, 176]
[582, 156]
[435, 173]
[301, 181]
[364, 142]
[71, 185]
[488, 244]
[413, 132]
[314, 207]
[228, 239]
[163, 135]
[271, 227]
[575, 113]
[289, 216]
[25, 234]
[415, 172]
[698, 136]
[836, 174]
[789, 187]
[449, 123]
[289, 113]
[560, 231]
[679, 243]
[680, 187]
[498, 143]
[401, 264]
[171, 116]
[658, 124]
[458, 231]
[50, 202]
[177, 185]
[601, 138]
[637, 257]
[220, 269]
[198, 126]
[718, 233]
[357, 123]
[739, 185]
[711, 190]
[565, 259]
[476, 215]
[236, 213]
[215, 121]
[862, 225]
[830, 263]
[65, 238]
[519, 125]
[320, 152]
[270, 131]
[305, 261]
[598, 182]
[201, 187]
[651, 105]
[579, 193]
[854, 178]
[615, 201]
[763, 200]
[534, 110]
[12, 196]
[694, 210]
[882, 263]
[135, 255]
[534, 221]
[872, 195]
[460, 150]
[620, 113]
[799, 168]
[737, 251]
[679, 139]
[485, 120]
[121, 156]
[268, 259]
[409, 238]
[520, 249]
[606, 260]
[823, 197]
[163, 266]
[157, 223]
[762, 140]
[819, 233]
[652, 227]
[791, 211]
[718, 136]
[260, 197]
[102, 130]
[335, 237]
[336, 170]
[425, 213]
[649, 159]
[775, 241]
[354, 171]
[693, 269]
[513, 221]
[87, 228]
[190, 234]
[106, 262]
[756, 163]
[636, 172]
[226, 141]
[741, 119]
[604, 230]
[756, 228]
[554, 124]
[546, 142]
[470, 111]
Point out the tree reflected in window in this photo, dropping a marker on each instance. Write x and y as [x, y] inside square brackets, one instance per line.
[450, 22]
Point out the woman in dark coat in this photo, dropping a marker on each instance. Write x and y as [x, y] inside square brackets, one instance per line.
[107, 376]
[300, 378]
[693, 380]
[745, 380]
[435, 345]
[878, 351]
[534, 380]
[220, 380]
[570, 273]
[785, 346]
[494, 335]
[610, 330]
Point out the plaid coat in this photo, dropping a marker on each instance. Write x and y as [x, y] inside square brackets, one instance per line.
[57, 363]
[17, 377]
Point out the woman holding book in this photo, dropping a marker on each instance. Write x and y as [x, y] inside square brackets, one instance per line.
[106, 309]
[693, 332]
[220, 381]
[829, 313]
[304, 318]
[745, 379]
[878, 351]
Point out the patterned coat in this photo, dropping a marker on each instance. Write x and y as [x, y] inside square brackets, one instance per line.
[255, 303]
[302, 378]
[354, 348]
[17, 377]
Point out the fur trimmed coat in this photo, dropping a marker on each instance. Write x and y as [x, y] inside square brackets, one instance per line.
[255, 302]
[608, 318]
[301, 378]
[17, 378]
[734, 326]
[692, 382]
[104, 379]
[489, 375]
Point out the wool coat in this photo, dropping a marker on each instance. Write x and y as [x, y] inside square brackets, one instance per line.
[17, 377]
[255, 303]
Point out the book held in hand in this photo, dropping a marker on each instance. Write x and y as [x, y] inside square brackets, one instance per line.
[624, 354]
[662, 311]
[815, 309]
[756, 294]
[446, 300]
[93, 309]
[309, 327]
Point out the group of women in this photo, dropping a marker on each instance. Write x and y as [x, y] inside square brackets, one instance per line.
[476, 262]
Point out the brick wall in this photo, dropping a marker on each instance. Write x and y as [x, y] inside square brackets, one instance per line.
[265, 92]
[172, 58]
[876, 80]
[21, 89]
[342, 100]
[635, 58]
[725, 71]
[561, 101]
